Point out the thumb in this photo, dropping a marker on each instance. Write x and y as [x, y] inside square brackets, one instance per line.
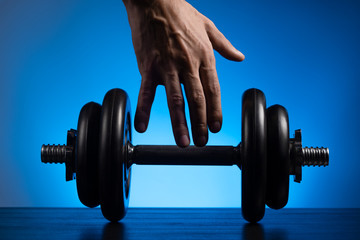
[222, 45]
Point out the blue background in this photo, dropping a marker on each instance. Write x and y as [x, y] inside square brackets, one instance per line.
[57, 55]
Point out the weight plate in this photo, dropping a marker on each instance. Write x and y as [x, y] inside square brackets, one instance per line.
[114, 172]
[86, 165]
[253, 155]
[278, 157]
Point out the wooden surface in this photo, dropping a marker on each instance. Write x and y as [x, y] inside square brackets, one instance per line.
[178, 223]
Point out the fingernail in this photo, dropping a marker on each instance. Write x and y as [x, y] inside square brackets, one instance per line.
[215, 126]
[184, 141]
[141, 127]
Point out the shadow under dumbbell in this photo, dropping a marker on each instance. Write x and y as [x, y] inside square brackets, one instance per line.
[253, 231]
[118, 231]
[114, 230]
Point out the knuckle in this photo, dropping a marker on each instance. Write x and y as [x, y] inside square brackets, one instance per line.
[186, 59]
[176, 102]
[147, 95]
[204, 47]
[209, 24]
[213, 90]
[199, 126]
[171, 76]
[198, 99]
[209, 61]
[204, 51]
[190, 77]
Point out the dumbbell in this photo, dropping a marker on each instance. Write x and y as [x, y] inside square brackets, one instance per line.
[99, 154]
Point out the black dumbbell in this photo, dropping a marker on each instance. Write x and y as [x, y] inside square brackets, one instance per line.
[100, 154]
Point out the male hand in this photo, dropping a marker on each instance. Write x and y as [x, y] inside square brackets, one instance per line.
[174, 45]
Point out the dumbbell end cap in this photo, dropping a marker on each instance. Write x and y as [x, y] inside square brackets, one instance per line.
[307, 156]
[62, 154]
[315, 156]
[53, 153]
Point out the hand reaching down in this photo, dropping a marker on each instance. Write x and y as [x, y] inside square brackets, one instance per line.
[174, 45]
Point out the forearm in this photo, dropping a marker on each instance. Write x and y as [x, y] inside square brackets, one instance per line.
[142, 3]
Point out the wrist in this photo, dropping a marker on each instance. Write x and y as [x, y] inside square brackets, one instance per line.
[146, 3]
[139, 3]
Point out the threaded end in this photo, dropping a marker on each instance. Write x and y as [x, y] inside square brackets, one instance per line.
[53, 153]
[315, 156]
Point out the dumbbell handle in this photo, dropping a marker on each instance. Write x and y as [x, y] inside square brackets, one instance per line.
[174, 155]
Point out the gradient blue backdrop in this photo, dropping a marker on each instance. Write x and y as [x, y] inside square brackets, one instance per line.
[57, 55]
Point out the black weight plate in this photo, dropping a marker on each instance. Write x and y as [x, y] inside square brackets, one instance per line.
[114, 173]
[278, 157]
[87, 178]
[253, 155]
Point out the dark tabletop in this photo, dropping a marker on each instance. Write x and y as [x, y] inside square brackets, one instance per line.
[178, 223]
